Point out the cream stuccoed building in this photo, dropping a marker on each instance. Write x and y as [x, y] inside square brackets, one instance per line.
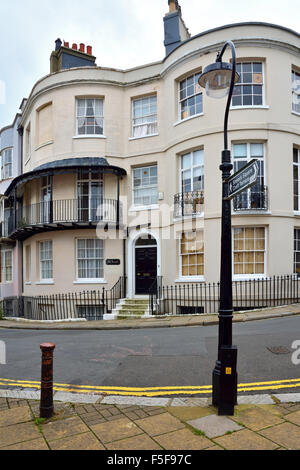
[120, 168]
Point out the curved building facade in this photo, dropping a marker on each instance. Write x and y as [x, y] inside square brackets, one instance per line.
[120, 168]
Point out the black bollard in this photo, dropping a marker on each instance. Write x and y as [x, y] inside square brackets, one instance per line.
[46, 401]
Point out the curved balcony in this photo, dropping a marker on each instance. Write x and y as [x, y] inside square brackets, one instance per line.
[253, 199]
[188, 204]
[63, 214]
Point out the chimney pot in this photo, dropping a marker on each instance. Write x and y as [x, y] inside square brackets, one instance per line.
[89, 50]
[74, 47]
[66, 44]
[58, 44]
[82, 47]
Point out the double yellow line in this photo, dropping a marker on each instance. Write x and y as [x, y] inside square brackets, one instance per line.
[152, 391]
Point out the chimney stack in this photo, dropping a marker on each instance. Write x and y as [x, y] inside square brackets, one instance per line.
[64, 57]
[175, 30]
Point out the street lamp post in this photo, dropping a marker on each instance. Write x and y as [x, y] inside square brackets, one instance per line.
[219, 79]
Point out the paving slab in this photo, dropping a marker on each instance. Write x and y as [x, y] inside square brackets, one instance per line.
[187, 413]
[256, 418]
[294, 417]
[21, 414]
[115, 430]
[263, 399]
[35, 444]
[76, 397]
[160, 424]
[63, 428]
[214, 425]
[86, 441]
[141, 442]
[18, 433]
[286, 435]
[190, 402]
[141, 401]
[245, 440]
[287, 397]
[183, 439]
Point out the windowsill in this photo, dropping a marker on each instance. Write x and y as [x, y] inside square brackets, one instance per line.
[143, 208]
[45, 282]
[250, 107]
[43, 145]
[90, 281]
[27, 283]
[190, 279]
[187, 119]
[295, 112]
[187, 217]
[246, 277]
[252, 212]
[6, 179]
[89, 136]
[143, 136]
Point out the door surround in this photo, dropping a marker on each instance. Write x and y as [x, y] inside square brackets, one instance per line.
[131, 258]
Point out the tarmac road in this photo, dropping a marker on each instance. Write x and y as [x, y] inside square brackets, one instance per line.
[158, 357]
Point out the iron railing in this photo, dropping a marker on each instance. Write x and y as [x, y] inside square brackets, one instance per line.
[203, 298]
[91, 305]
[188, 203]
[251, 200]
[81, 210]
[180, 299]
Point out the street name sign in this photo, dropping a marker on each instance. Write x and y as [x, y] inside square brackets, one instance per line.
[242, 179]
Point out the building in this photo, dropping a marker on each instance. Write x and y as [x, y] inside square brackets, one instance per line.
[120, 168]
[11, 250]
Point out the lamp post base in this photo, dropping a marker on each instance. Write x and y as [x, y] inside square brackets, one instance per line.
[224, 380]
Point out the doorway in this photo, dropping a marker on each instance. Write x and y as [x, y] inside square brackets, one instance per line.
[145, 264]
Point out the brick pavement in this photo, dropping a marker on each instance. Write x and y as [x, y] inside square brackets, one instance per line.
[81, 426]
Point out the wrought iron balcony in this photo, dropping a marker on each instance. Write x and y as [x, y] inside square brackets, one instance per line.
[188, 204]
[63, 214]
[251, 200]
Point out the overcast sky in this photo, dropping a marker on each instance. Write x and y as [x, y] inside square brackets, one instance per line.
[123, 33]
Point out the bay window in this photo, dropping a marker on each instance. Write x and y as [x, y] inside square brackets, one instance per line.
[90, 259]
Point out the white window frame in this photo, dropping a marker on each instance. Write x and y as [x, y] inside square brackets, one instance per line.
[195, 277]
[100, 117]
[45, 279]
[87, 280]
[191, 168]
[296, 250]
[150, 186]
[295, 92]
[263, 105]
[4, 164]
[180, 101]
[248, 158]
[237, 277]
[5, 266]
[28, 143]
[147, 123]
[297, 165]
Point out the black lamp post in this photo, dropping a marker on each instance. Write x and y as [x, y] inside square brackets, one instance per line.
[219, 79]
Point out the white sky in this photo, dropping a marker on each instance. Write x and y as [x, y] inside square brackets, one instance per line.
[123, 33]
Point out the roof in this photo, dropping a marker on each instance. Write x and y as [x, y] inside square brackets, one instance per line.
[68, 165]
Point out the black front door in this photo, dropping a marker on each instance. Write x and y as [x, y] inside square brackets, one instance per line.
[145, 268]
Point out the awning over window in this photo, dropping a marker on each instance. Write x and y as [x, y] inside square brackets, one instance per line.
[68, 165]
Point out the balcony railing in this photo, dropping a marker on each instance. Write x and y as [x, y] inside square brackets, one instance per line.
[66, 212]
[251, 200]
[188, 203]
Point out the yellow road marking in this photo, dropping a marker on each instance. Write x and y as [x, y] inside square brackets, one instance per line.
[154, 391]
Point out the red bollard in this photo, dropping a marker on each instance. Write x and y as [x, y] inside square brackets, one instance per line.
[46, 400]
